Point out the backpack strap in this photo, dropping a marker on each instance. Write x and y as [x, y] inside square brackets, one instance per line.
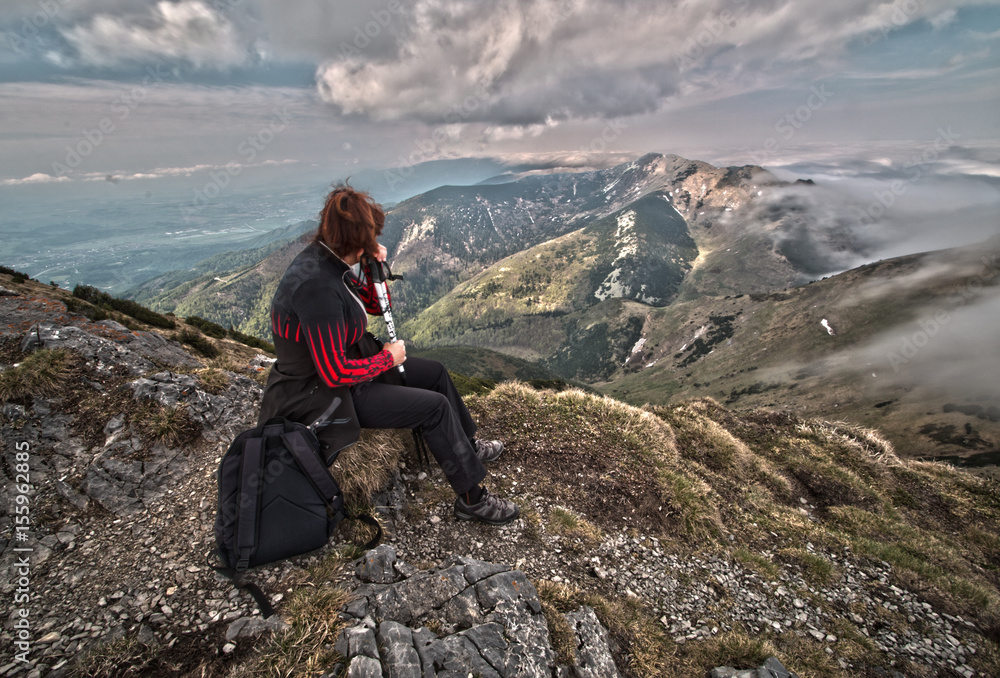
[251, 484]
[266, 610]
[319, 475]
[309, 462]
[368, 520]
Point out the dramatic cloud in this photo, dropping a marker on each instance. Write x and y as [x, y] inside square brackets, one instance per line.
[189, 31]
[517, 62]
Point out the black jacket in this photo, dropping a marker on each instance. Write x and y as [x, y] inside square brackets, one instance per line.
[319, 316]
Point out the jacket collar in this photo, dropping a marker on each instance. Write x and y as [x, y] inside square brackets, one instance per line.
[331, 256]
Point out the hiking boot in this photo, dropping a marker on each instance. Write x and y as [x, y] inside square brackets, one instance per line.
[488, 450]
[491, 509]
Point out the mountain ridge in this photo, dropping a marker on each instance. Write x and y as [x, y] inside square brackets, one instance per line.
[697, 536]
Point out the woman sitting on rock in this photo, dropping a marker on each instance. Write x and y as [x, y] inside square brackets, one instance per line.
[319, 317]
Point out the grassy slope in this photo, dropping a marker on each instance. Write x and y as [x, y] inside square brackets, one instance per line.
[239, 297]
[777, 353]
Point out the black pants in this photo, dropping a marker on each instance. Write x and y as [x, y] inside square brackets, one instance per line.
[430, 400]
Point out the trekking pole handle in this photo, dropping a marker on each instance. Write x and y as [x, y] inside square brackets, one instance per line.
[375, 267]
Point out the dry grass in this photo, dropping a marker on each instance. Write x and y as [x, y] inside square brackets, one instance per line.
[570, 524]
[171, 426]
[555, 599]
[816, 569]
[705, 441]
[649, 650]
[762, 565]
[42, 373]
[367, 467]
[867, 441]
[213, 380]
[126, 656]
[305, 649]
[694, 501]
[735, 648]
[312, 613]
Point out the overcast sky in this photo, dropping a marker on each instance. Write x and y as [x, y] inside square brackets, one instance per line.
[144, 89]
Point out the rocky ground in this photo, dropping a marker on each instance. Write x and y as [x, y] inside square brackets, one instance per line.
[122, 516]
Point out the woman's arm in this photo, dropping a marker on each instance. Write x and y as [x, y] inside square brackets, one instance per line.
[329, 333]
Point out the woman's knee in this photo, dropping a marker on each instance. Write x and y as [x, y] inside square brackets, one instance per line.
[437, 405]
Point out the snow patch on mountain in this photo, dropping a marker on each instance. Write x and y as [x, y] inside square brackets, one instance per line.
[626, 240]
[416, 232]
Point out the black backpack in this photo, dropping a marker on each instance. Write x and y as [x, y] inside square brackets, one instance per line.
[277, 499]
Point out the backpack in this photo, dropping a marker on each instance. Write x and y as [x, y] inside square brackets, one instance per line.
[277, 499]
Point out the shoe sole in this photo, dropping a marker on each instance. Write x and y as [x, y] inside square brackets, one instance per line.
[503, 521]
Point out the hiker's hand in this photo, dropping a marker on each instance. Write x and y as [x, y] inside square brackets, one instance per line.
[398, 351]
[382, 252]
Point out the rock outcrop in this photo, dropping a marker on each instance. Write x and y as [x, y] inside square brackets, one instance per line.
[488, 621]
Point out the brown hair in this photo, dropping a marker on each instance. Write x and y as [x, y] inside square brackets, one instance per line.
[350, 221]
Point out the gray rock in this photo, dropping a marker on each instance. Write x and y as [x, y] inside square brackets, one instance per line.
[477, 570]
[501, 631]
[72, 496]
[490, 642]
[463, 610]
[426, 591]
[376, 566]
[388, 603]
[364, 667]
[166, 388]
[400, 657]
[508, 587]
[253, 627]
[772, 668]
[32, 340]
[433, 654]
[463, 658]
[104, 353]
[358, 606]
[593, 652]
[512, 602]
[358, 640]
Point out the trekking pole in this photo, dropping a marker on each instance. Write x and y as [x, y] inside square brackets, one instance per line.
[378, 273]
